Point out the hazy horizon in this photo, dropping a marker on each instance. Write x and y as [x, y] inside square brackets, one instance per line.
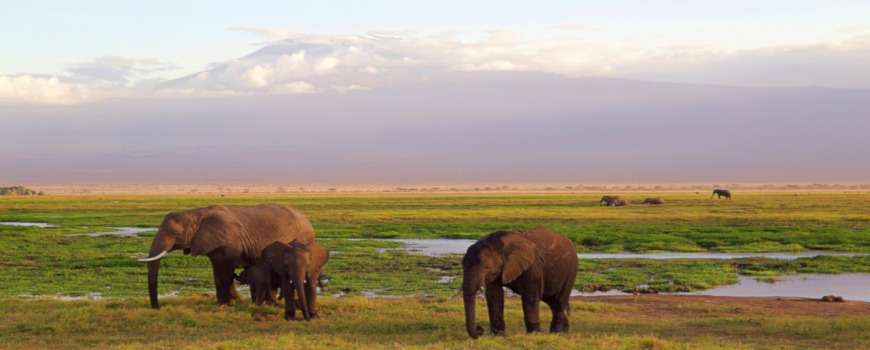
[649, 93]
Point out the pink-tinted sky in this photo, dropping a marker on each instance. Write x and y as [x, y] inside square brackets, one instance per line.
[564, 91]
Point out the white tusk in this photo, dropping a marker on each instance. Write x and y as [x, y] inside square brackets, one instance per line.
[156, 257]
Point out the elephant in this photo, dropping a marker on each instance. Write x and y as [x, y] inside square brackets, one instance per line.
[229, 236]
[537, 264]
[721, 193]
[298, 268]
[654, 201]
[262, 282]
[608, 200]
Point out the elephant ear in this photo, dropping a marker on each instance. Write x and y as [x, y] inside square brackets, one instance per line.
[519, 255]
[218, 228]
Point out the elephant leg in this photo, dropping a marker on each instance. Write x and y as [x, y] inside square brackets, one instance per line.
[495, 307]
[530, 312]
[559, 322]
[287, 292]
[312, 295]
[223, 269]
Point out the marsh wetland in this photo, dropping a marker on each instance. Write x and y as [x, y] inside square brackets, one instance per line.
[401, 252]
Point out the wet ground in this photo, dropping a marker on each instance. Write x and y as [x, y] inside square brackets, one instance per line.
[854, 286]
[118, 231]
[441, 247]
[26, 224]
[851, 286]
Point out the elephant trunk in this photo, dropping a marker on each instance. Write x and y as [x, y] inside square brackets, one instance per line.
[470, 285]
[300, 292]
[159, 247]
[153, 269]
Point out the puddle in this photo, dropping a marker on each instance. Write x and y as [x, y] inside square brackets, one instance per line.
[716, 256]
[851, 286]
[441, 247]
[373, 294]
[446, 279]
[597, 293]
[63, 297]
[26, 224]
[119, 231]
[90, 296]
[435, 247]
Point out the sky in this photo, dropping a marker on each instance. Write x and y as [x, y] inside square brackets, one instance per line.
[93, 66]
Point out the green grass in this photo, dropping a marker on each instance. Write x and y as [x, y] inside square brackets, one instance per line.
[688, 222]
[426, 323]
[40, 262]
[47, 261]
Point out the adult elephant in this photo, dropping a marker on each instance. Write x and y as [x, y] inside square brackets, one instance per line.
[721, 193]
[538, 264]
[654, 201]
[229, 236]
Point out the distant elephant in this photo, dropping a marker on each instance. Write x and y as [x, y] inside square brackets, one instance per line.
[538, 264]
[262, 283]
[721, 193]
[298, 267]
[609, 200]
[619, 202]
[229, 236]
[654, 201]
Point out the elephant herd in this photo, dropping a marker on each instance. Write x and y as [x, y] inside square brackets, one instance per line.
[276, 247]
[617, 201]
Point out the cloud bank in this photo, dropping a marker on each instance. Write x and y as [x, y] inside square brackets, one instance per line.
[290, 63]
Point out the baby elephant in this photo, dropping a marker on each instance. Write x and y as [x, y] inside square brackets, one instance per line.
[298, 268]
[262, 281]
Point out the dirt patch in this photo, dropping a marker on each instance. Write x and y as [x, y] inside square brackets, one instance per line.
[695, 305]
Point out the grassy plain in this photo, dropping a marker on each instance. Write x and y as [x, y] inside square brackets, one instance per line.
[643, 322]
[40, 262]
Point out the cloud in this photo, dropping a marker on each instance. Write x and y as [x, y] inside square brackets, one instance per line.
[294, 63]
[118, 69]
[32, 89]
[382, 59]
[296, 87]
[843, 64]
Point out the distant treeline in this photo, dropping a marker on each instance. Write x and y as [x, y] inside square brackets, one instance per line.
[19, 191]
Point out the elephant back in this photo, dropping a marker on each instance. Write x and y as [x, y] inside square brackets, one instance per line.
[268, 223]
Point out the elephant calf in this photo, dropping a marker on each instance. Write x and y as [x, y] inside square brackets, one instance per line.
[298, 268]
[539, 265]
[263, 283]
